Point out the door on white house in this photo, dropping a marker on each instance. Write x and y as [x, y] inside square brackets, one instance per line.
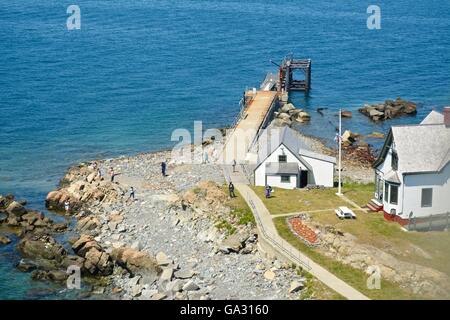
[303, 179]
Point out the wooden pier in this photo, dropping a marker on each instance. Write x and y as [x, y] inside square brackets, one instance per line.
[258, 107]
[255, 117]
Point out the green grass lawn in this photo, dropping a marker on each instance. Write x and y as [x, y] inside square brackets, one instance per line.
[287, 201]
[428, 249]
[354, 277]
[424, 248]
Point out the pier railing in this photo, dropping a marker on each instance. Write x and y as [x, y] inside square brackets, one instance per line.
[284, 248]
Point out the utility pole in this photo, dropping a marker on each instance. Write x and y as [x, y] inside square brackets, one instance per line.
[339, 193]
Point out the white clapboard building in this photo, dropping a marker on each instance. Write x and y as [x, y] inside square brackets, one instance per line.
[412, 172]
[285, 160]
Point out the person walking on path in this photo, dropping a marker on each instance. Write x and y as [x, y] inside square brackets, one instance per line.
[131, 194]
[163, 168]
[234, 165]
[231, 189]
[268, 191]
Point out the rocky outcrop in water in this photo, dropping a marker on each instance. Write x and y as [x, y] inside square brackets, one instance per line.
[15, 215]
[289, 114]
[389, 109]
[96, 260]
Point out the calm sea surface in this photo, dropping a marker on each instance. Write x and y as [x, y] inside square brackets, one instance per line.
[137, 70]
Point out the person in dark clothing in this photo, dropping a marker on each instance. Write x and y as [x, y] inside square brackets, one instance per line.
[131, 194]
[163, 168]
[112, 173]
[231, 189]
[268, 191]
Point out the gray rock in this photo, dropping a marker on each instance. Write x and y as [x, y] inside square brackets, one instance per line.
[184, 274]
[167, 274]
[136, 290]
[296, 286]
[159, 296]
[269, 275]
[162, 259]
[147, 294]
[287, 107]
[134, 281]
[190, 286]
[174, 286]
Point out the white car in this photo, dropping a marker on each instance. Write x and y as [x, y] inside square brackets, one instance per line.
[345, 213]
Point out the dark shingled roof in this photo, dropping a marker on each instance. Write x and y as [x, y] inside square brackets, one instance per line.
[275, 168]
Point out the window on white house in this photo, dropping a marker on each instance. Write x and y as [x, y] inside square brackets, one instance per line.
[394, 160]
[427, 197]
[394, 194]
[282, 158]
[285, 178]
[386, 191]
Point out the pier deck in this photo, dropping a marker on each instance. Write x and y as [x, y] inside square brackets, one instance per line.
[257, 110]
[255, 117]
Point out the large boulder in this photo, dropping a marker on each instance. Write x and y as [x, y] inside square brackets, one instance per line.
[84, 244]
[96, 260]
[53, 199]
[32, 216]
[303, 116]
[4, 240]
[43, 248]
[287, 107]
[346, 114]
[88, 223]
[284, 116]
[136, 262]
[16, 209]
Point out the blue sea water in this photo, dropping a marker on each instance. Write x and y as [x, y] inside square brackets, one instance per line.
[137, 70]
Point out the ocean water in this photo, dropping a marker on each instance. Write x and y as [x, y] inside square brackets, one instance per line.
[137, 70]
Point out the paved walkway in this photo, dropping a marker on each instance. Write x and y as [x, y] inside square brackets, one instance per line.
[265, 219]
[268, 231]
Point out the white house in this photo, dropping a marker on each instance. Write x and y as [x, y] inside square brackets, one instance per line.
[412, 172]
[286, 161]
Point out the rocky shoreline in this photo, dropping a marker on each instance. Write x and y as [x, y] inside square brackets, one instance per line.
[178, 239]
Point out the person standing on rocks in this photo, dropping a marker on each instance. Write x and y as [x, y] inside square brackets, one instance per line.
[231, 189]
[163, 168]
[112, 173]
[131, 194]
[67, 206]
[99, 173]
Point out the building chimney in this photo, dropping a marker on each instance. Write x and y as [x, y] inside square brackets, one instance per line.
[447, 116]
